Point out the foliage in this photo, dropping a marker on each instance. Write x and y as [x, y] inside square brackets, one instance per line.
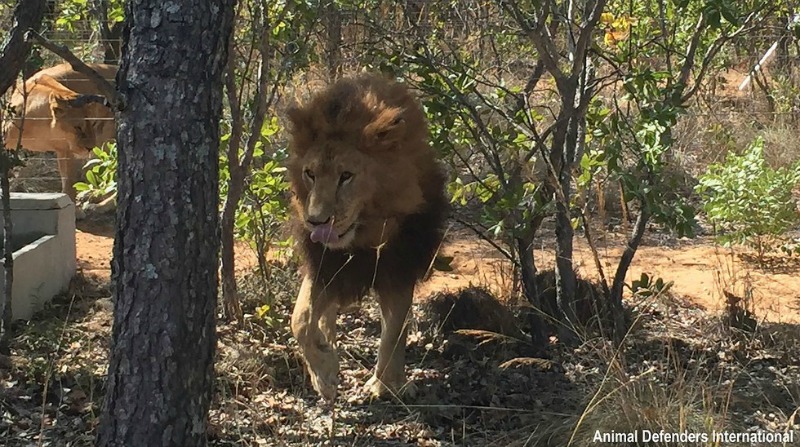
[269, 45]
[647, 287]
[264, 208]
[632, 143]
[101, 173]
[73, 12]
[748, 201]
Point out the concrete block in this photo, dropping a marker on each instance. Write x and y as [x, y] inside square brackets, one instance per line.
[44, 249]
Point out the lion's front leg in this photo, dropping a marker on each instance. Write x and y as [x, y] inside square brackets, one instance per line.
[314, 327]
[390, 371]
[69, 168]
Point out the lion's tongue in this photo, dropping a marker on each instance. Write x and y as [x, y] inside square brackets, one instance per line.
[324, 233]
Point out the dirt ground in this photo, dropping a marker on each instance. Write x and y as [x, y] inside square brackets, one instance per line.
[683, 367]
[700, 269]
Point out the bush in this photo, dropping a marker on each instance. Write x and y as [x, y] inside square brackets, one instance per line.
[749, 202]
[101, 174]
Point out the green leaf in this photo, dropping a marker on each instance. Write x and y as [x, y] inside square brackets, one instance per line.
[92, 178]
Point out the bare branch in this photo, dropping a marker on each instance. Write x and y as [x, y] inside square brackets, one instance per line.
[751, 23]
[100, 11]
[106, 88]
[478, 232]
[585, 37]
[28, 14]
[540, 35]
[688, 62]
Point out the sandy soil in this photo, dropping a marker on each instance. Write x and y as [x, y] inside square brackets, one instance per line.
[699, 269]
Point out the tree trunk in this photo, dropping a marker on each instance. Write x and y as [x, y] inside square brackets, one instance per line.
[166, 247]
[564, 141]
[230, 292]
[333, 41]
[109, 36]
[240, 168]
[620, 327]
[8, 256]
[28, 14]
[531, 290]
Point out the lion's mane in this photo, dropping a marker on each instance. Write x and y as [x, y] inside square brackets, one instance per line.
[409, 185]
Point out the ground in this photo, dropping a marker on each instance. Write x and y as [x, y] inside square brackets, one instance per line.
[699, 268]
[684, 367]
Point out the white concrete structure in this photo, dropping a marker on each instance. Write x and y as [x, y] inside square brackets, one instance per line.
[44, 242]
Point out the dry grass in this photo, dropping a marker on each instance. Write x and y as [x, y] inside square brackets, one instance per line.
[680, 371]
[669, 399]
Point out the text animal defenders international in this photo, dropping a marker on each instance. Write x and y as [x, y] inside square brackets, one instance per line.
[666, 437]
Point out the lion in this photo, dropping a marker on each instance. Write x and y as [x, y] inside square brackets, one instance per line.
[63, 112]
[370, 206]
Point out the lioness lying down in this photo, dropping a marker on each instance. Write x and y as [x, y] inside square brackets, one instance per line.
[370, 206]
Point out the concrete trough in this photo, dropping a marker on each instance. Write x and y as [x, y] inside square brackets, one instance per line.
[43, 240]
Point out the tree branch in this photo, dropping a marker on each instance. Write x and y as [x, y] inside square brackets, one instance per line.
[751, 23]
[106, 88]
[540, 35]
[28, 14]
[688, 62]
[585, 37]
[100, 10]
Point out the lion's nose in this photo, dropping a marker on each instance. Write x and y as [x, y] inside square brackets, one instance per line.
[318, 220]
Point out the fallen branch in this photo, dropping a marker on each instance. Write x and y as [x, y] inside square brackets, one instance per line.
[106, 88]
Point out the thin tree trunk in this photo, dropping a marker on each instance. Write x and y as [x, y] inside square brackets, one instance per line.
[166, 248]
[230, 292]
[109, 36]
[333, 42]
[28, 14]
[8, 257]
[240, 167]
[564, 148]
[620, 328]
[531, 290]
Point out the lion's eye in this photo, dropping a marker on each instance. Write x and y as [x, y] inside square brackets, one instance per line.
[345, 177]
[309, 174]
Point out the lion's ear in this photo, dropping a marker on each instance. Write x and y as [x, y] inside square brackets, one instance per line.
[300, 127]
[297, 116]
[387, 129]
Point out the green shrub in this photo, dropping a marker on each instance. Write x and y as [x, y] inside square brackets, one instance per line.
[748, 202]
[101, 174]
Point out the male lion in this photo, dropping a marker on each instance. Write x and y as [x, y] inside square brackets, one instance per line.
[63, 112]
[370, 209]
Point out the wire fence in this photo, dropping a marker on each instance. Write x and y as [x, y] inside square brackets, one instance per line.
[730, 97]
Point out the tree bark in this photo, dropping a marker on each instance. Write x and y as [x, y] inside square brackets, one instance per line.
[240, 166]
[333, 41]
[620, 327]
[562, 157]
[27, 15]
[166, 248]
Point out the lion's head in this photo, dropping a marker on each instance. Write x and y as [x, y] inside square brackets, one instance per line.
[359, 161]
[58, 118]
